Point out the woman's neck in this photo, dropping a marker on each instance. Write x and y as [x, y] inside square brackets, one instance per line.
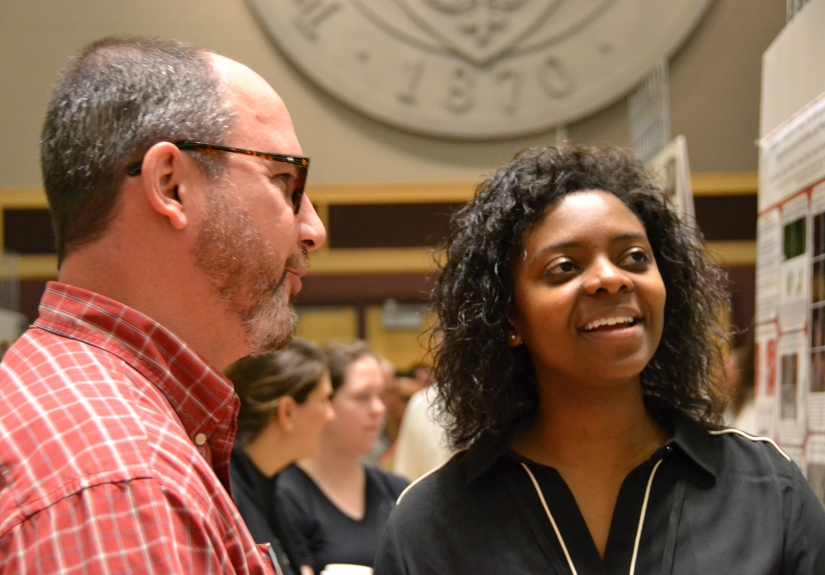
[268, 454]
[593, 429]
[594, 437]
[332, 465]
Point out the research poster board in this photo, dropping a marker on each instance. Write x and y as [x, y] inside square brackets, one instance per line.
[790, 290]
[671, 169]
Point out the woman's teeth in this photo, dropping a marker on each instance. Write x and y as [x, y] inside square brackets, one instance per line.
[609, 321]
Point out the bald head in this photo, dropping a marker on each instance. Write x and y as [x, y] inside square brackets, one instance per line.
[256, 105]
[112, 103]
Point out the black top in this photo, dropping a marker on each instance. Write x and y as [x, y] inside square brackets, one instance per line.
[254, 496]
[323, 533]
[719, 503]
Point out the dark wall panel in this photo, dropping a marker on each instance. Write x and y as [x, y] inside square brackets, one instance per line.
[743, 299]
[726, 218]
[388, 225]
[348, 289]
[721, 218]
[28, 231]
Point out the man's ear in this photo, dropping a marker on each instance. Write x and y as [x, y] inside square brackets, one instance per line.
[164, 176]
[285, 413]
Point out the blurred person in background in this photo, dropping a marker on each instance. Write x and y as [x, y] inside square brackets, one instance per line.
[337, 505]
[285, 405]
[423, 373]
[383, 442]
[422, 443]
[739, 386]
[404, 386]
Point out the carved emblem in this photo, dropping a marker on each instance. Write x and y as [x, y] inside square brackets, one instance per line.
[479, 30]
[477, 69]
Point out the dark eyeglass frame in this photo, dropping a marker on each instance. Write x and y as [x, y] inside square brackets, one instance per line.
[301, 162]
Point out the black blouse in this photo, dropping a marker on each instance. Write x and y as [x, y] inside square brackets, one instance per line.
[254, 496]
[323, 533]
[719, 503]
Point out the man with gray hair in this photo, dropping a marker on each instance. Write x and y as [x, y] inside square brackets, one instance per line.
[176, 186]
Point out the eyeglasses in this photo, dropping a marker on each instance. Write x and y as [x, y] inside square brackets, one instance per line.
[296, 184]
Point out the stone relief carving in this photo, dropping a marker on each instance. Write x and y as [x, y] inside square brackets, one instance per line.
[477, 69]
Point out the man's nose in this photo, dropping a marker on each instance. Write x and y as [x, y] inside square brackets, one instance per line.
[312, 233]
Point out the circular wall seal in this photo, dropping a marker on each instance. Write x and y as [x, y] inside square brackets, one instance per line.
[477, 69]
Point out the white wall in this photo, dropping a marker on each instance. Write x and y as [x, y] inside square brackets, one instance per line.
[793, 71]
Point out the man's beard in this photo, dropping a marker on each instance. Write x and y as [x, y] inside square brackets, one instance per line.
[242, 267]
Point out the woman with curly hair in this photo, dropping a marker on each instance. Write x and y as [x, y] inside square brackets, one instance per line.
[579, 348]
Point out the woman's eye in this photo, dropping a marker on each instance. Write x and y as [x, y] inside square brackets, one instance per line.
[636, 257]
[561, 268]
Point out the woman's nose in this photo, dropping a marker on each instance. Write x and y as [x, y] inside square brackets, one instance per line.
[330, 414]
[603, 276]
[378, 407]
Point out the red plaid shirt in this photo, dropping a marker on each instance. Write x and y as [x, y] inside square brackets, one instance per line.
[114, 448]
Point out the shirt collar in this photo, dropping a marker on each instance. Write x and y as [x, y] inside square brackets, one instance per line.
[695, 442]
[201, 397]
[690, 437]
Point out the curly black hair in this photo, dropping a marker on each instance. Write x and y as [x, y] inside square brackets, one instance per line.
[486, 386]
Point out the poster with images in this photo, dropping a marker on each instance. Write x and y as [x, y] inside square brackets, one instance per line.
[672, 171]
[790, 290]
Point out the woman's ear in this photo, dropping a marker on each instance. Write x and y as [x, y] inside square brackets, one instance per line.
[514, 339]
[285, 413]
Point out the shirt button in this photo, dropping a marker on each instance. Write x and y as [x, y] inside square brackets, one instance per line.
[200, 438]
